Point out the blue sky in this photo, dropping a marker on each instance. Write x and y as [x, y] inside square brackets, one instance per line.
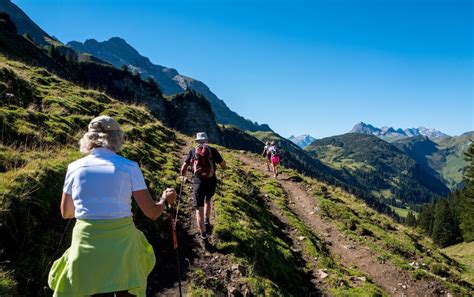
[304, 67]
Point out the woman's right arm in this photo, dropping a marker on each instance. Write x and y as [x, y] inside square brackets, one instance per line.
[67, 206]
[149, 207]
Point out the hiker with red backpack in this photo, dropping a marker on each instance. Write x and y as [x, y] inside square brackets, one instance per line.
[203, 160]
[275, 158]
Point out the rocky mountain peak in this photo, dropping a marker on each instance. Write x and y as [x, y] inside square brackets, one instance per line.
[118, 52]
[390, 133]
[302, 141]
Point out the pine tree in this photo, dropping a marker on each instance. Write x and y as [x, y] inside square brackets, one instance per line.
[410, 219]
[446, 226]
[466, 200]
[426, 218]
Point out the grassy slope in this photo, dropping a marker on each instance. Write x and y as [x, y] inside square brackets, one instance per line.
[40, 128]
[248, 230]
[378, 167]
[443, 156]
[389, 240]
[464, 253]
[453, 152]
[293, 156]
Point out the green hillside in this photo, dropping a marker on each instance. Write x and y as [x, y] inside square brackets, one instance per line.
[464, 253]
[41, 125]
[443, 158]
[370, 163]
[294, 157]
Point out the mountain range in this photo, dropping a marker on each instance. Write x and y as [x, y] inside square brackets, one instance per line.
[118, 52]
[391, 134]
[379, 167]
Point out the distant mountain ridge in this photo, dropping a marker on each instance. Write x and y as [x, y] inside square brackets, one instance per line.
[24, 24]
[118, 52]
[302, 141]
[390, 133]
[379, 167]
[442, 157]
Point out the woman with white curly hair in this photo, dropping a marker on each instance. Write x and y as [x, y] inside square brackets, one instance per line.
[108, 256]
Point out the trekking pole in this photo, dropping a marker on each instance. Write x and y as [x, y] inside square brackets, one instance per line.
[179, 201]
[175, 247]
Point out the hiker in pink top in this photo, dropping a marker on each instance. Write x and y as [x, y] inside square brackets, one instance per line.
[275, 158]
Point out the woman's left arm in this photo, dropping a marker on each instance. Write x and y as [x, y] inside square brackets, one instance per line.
[67, 206]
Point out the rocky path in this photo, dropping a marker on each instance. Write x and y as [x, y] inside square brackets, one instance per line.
[201, 265]
[393, 280]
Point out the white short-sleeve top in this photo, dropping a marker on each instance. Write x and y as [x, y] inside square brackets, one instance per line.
[101, 185]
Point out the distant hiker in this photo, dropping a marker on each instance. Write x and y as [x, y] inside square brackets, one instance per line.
[203, 160]
[266, 154]
[274, 157]
[107, 253]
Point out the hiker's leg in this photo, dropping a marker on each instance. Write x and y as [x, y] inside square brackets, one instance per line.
[207, 210]
[198, 204]
[210, 191]
[200, 219]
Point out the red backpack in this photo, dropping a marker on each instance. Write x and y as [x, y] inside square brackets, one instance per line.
[203, 166]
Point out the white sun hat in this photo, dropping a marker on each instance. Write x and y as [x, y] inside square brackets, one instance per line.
[200, 136]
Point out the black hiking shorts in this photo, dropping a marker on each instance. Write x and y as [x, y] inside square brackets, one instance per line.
[203, 191]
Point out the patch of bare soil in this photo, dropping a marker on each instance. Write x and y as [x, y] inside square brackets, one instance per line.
[393, 280]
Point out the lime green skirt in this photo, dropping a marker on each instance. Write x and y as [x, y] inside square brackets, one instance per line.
[105, 256]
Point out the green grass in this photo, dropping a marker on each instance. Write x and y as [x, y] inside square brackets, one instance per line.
[40, 129]
[245, 228]
[7, 282]
[339, 279]
[464, 254]
[402, 212]
[452, 171]
[333, 156]
[390, 241]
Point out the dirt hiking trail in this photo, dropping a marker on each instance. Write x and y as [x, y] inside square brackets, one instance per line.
[216, 268]
[393, 280]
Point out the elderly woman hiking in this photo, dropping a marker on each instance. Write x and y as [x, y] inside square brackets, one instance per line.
[107, 253]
